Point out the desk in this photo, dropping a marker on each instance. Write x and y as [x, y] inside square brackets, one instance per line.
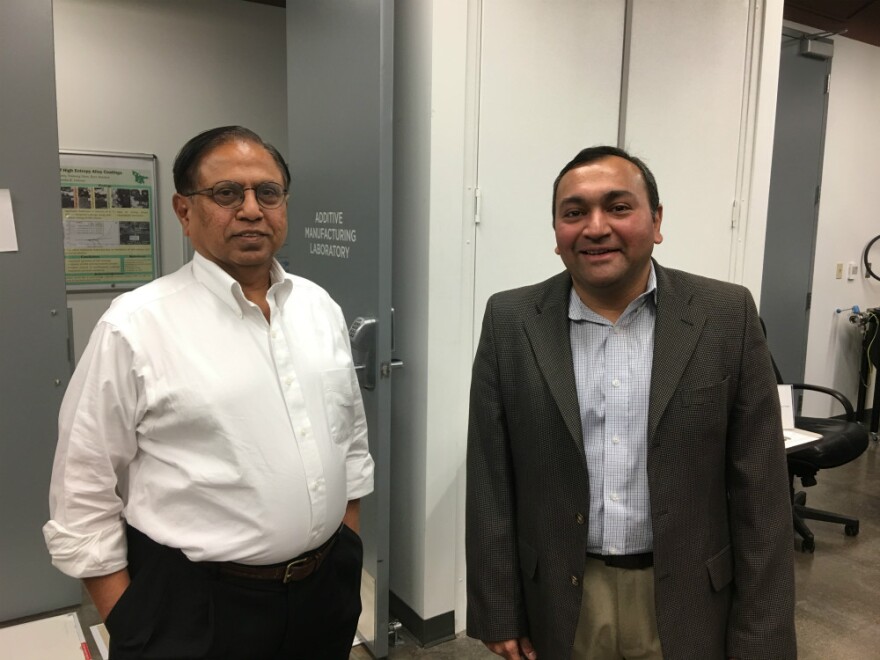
[802, 445]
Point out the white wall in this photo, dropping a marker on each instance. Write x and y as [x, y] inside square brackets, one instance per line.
[848, 219]
[147, 76]
[453, 165]
[755, 199]
[429, 411]
[412, 154]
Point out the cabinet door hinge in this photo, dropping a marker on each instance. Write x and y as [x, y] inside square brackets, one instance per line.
[478, 199]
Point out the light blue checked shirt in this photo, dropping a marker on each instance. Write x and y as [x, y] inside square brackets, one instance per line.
[612, 369]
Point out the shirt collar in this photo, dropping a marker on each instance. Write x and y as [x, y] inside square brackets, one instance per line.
[579, 311]
[227, 288]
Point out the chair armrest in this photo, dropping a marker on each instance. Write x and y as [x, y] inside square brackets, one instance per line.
[847, 406]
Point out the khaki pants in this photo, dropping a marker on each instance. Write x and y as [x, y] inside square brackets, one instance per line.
[617, 619]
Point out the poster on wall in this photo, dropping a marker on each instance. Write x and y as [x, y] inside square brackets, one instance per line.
[108, 210]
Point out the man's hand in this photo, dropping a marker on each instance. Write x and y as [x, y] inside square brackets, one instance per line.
[106, 590]
[513, 649]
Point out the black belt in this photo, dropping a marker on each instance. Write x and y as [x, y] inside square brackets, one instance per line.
[642, 560]
[297, 568]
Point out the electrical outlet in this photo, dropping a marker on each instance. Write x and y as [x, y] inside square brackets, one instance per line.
[838, 274]
[852, 270]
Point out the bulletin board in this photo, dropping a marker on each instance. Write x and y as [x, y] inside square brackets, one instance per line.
[108, 210]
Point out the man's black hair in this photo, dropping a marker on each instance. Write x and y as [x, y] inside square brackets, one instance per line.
[591, 154]
[188, 160]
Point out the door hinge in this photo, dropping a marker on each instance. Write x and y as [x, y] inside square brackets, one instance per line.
[809, 299]
[827, 83]
[478, 202]
[818, 194]
[394, 637]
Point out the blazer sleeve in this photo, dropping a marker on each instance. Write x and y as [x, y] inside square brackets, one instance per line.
[762, 614]
[496, 610]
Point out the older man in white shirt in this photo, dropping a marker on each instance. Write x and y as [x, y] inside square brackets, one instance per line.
[213, 444]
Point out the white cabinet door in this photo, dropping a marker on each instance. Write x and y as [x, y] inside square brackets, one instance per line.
[684, 108]
[550, 74]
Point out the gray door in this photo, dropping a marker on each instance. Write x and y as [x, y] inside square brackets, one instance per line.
[793, 213]
[339, 55]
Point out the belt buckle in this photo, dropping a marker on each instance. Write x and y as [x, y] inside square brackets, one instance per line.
[296, 563]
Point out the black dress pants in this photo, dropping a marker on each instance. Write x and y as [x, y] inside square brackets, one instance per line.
[181, 610]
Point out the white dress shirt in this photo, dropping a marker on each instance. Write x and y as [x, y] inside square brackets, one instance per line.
[207, 427]
[612, 365]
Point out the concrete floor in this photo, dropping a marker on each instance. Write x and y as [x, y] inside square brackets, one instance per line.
[837, 586]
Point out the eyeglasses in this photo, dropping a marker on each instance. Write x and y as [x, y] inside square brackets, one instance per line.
[230, 195]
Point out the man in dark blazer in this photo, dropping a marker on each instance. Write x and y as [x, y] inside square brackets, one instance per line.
[717, 566]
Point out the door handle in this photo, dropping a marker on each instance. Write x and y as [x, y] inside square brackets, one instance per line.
[362, 335]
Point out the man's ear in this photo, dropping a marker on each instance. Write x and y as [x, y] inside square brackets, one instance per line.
[658, 220]
[182, 208]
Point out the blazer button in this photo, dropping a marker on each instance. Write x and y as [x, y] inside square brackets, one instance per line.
[579, 518]
[575, 581]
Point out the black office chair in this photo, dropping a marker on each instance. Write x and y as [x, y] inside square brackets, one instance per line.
[843, 440]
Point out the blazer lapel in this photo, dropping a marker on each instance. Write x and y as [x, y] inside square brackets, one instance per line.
[548, 334]
[676, 332]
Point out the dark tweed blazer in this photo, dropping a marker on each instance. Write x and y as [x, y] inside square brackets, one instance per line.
[720, 510]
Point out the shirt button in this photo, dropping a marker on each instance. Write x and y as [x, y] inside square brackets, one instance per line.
[614, 497]
[579, 518]
[612, 550]
[616, 382]
[615, 440]
[575, 581]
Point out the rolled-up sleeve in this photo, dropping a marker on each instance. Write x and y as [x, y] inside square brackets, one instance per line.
[358, 462]
[96, 442]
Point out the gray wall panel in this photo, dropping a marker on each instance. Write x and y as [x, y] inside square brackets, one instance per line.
[33, 340]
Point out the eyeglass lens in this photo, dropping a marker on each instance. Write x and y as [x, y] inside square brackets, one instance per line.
[269, 195]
